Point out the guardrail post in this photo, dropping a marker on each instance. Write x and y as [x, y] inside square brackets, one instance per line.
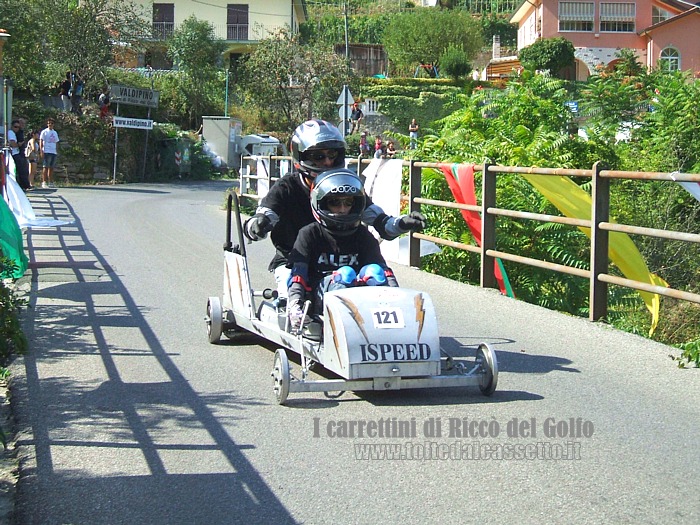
[269, 173]
[600, 212]
[360, 168]
[244, 177]
[414, 191]
[488, 227]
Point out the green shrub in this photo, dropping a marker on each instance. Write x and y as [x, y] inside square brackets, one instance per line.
[454, 63]
[12, 338]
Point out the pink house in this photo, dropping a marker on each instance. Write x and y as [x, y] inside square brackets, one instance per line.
[663, 33]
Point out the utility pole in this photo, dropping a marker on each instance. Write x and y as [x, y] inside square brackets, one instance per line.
[346, 102]
[145, 147]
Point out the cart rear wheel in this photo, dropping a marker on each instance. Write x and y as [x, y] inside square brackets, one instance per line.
[280, 376]
[486, 357]
[214, 319]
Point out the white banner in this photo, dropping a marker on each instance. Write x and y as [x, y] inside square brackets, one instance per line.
[263, 170]
[383, 185]
[138, 123]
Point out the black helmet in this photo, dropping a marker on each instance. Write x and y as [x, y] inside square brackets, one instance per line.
[315, 135]
[338, 183]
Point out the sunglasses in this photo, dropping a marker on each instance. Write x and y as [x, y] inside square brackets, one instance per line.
[337, 202]
[318, 156]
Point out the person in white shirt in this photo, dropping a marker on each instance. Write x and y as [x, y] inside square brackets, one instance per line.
[48, 142]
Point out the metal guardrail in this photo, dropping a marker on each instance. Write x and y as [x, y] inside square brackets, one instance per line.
[599, 224]
[249, 182]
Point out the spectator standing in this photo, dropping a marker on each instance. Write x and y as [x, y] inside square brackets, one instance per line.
[48, 142]
[33, 154]
[364, 145]
[103, 102]
[77, 87]
[64, 92]
[15, 137]
[378, 147]
[413, 133]
[356, 116]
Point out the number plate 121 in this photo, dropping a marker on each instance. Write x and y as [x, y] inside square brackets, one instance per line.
[388, 318]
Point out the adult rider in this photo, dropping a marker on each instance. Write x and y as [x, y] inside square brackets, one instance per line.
[317, 146]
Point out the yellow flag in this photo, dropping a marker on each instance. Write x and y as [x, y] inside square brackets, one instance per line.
[574, 202]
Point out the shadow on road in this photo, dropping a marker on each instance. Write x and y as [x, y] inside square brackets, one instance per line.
[71, 421]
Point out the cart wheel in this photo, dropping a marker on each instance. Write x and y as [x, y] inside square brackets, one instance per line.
[486, 357]
[214, 319]
[280, 376]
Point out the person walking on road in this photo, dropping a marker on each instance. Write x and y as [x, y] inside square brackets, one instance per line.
[48, 142]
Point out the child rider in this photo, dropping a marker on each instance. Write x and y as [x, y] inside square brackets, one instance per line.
[335, 251]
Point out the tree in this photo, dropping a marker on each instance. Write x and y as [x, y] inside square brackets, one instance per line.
[22, 54]
[493, 24]
[292, 82]
[550, 54]
[83, 36]
[628, 63]
[423, 35]
[196, 52]
[454, 63]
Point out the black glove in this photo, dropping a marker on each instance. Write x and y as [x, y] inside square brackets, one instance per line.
[257, 226]
[415, 221]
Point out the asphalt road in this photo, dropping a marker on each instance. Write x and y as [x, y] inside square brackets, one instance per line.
[128, 415]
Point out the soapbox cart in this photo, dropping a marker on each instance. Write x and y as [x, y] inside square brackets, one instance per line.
[373, 337]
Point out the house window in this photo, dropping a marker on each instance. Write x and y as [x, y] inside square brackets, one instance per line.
[163, 21]
[659, 15]
[670, 59]
[576, 16]
[237, 22]
[617, 17]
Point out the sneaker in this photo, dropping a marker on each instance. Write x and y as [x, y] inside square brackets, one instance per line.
[44, 186]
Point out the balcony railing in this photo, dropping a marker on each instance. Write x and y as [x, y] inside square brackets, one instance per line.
[228, 32]
[237, 32]
[163, 30]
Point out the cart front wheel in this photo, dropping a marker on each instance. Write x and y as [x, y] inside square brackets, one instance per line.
[486, 358]
[214, 319]
[280, 376]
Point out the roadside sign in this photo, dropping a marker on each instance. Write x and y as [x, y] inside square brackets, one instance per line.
[134, 96]
[126, 122]
[345, 97]
[572, 105]
[342, 112]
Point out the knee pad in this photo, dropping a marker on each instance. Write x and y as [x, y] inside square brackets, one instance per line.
[344, 275]
[372, 275]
